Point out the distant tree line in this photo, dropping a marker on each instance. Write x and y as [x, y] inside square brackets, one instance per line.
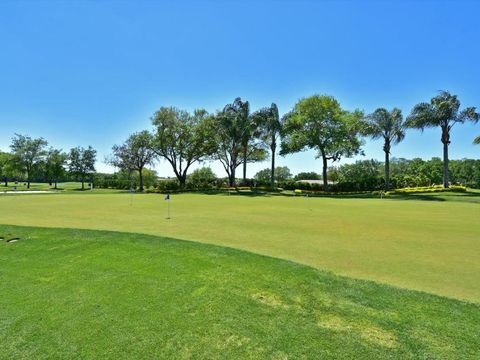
[235, 136]
[30, 159]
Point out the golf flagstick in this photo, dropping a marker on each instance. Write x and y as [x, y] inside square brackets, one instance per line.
[167, 199]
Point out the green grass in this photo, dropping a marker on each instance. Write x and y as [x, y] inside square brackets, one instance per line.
[68, 293]
[22, 186]
[432, 246]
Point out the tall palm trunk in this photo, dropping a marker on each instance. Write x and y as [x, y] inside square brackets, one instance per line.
[272, 172]
[446, 142]
[245, 152]
[445, 165]
[386, 148]
[387, 170]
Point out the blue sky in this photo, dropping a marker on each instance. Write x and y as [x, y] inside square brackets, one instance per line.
[92, 72]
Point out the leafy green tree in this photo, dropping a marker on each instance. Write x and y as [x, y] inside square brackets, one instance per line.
[247, 128]
[361, 175]
[229, 138]
[270, 127]
[27, 153]
[202, 178]
[82, 163]
[282, 173]
[307, 176]
[134, 154]
[6, 168]
[442, 111]
[55, 162]
[318, 122]
[182, 138]
[389, 126]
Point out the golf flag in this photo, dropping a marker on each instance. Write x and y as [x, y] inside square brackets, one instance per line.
[167, 197]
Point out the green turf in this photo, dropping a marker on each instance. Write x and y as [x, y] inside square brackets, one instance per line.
[69, 293]
[426, 245]
[22, 186]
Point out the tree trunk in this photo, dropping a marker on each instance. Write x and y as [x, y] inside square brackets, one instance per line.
[6, 182]
[445, 165]
[83, 184]
[387, 170]
[245, 165]
[55, 184]
[231, 177]
[324, 173]
[272, 174]
[140, 178]
[182, 179]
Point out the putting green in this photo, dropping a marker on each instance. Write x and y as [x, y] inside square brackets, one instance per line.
[70, 293]
[426, 245]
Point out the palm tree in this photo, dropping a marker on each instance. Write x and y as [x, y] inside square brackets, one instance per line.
[442, 111]
[270, 125]
[240, 110]
[389, 126]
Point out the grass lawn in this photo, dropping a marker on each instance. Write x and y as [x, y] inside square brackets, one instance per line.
[22, 186]
[69, 293]
[432, 246]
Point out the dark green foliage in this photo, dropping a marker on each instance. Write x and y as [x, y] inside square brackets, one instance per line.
[319, 123]
[182, 138]
[442, 111]
[82, 163]
[203, 178]
[307, 176]
[282, 174]
[27, 155]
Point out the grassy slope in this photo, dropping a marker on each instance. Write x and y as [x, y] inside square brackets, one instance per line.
[87, 294]
[426, 245]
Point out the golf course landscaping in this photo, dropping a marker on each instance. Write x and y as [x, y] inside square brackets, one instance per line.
[107, 275]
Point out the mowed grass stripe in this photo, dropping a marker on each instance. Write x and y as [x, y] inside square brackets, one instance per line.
[70, 293]
[426, 245]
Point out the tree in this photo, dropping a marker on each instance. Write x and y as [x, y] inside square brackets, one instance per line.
[247, 127]
[270, 127]
[202, 178]
[82, 162]
[389, 126]
[134, 154]
[443, 111]
[182, 138]
[55, 162]
[307, 176]
[229, 137]
[318, 122]
[27, 153]
[282, 173]
[5, 166]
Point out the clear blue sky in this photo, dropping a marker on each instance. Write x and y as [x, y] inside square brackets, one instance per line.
[92, 72]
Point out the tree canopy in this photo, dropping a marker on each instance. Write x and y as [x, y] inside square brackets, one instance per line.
[442, 111]
[319, 123]
[270, 127]
[27, 154]
[134, 154]
[82, 162]
[229, 138]
[182, 138]
[386, 125]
